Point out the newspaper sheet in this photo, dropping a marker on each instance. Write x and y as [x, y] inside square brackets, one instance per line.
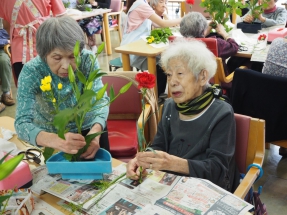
[159, 193]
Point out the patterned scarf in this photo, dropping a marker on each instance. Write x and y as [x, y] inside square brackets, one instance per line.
[198, 104]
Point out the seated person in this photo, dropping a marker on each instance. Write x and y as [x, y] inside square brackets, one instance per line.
[5, 72]
[276, 64]
[139, 19]
[196, 134]
[194, 24]
[159, 7]
[34, 114]
[271, 16]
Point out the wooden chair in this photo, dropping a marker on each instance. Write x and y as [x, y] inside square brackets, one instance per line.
[262, 96]
[250, 139]
[125, 113]
[117, 8]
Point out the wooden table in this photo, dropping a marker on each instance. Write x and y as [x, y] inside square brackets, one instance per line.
[95, 12]
[140, 48]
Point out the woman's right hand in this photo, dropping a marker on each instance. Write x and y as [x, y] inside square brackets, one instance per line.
[72, 143]
[133, 170]
[248, 18]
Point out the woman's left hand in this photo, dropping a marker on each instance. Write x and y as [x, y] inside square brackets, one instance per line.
[157, 160]
[95, 143]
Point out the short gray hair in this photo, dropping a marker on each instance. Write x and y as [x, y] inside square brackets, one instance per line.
[58, 32]
[155, 2]
[193, 24]
[195, 53]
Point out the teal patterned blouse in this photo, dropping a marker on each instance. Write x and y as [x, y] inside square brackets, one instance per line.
[34, 112]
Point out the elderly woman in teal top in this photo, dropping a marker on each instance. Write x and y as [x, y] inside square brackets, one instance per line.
[55, 42]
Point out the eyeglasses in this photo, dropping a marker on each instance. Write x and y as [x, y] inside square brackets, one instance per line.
[32, 154]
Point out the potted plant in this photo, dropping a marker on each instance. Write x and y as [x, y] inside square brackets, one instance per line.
[220, 11]
[71, 165]
[256, 8]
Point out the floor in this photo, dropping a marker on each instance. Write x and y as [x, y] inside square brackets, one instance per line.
[274, 180]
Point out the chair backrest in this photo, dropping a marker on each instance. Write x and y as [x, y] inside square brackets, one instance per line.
[127, 105]
[211, 43]
[250, 141]
[116, 5]
[262, 96]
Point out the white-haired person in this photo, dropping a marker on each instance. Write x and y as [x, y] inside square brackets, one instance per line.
[159, 7]
[196, 134]
[140, 17]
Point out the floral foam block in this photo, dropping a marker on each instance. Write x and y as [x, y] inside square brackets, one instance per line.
[94, 169]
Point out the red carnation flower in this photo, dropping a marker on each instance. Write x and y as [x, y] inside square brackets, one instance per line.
[190, 2]
[145, 80]
[262, 37]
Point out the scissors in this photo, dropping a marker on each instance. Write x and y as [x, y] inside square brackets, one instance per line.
[243, 48]
[32, 154]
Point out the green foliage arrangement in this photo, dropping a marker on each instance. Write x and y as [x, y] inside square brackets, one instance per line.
[159, 35]
[86, 101]
[221, 9]
[257, 8]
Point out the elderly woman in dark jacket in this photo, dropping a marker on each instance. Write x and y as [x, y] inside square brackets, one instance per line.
[194, 24]
[196, 134]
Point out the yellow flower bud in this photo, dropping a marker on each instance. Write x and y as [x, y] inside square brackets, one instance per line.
[60, 86]
[152, 38]
[54, 100]
[149, 41]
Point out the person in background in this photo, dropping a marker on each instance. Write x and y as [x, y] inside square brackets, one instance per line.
[196, 134]
[271, 16]
[5, 71]
[139, 19]
[21, 19]
[56, 39]
[276, 65]
[159, 7]
[194, 24]
[92, 26]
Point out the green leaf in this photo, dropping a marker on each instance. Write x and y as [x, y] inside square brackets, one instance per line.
[71, 74]
[93, 74]
[101, 92]
[112, 93]
[3, 199]
[81, 77]
[89, 86]
[125, 88]
[5, 156]
[101, 48]
[68, 157]
[48, 152]
[78, 61]
[8, 166]
[77, 48]
[61, 120]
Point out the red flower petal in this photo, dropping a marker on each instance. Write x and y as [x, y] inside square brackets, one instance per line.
[145, 80]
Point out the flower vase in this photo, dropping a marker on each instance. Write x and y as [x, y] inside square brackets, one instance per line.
[252, 28]
[92, 169]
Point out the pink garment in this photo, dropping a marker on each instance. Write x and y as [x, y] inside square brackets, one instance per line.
[138, 16]
[45, 7]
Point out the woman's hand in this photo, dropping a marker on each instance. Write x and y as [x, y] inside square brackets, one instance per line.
[248, 18]
[71, 144]
[95, 143]
[93, 3]
[221, 31]
[157, 160]
[133, 170]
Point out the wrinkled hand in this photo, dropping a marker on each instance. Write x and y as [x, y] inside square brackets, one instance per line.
[158, 160]
[93, 2]
[133, 170]
[220, 29]
[248, 18]
[71, 144]
[92, 149]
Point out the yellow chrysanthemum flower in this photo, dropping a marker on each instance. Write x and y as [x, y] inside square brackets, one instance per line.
[60, 86]
[152, 38]
[149, 40]
[54, 100]
[48, 87]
